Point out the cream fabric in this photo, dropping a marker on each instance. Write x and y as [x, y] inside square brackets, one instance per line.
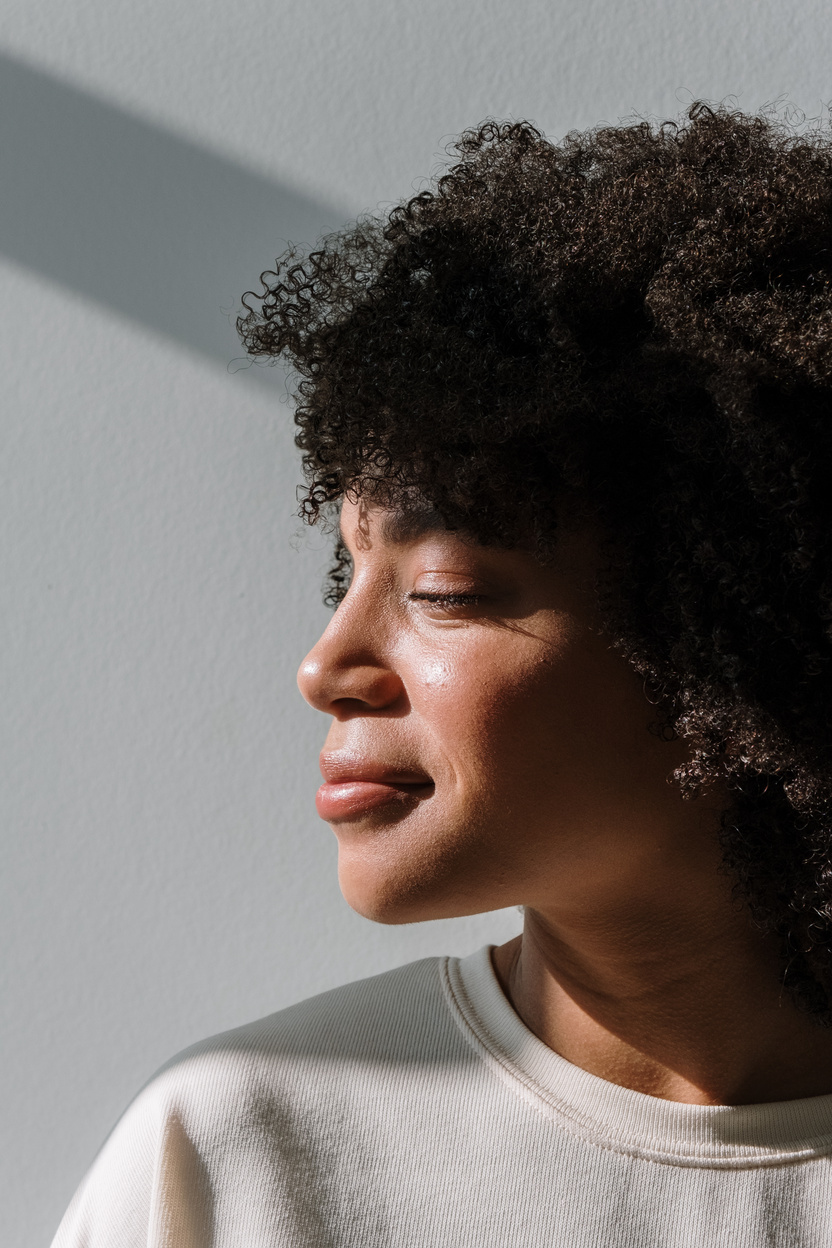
[416, 1109]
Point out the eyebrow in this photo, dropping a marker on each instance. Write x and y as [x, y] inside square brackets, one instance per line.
[404, 525]
[401, 526]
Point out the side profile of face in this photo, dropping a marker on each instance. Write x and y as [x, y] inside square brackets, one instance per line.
[487, 746]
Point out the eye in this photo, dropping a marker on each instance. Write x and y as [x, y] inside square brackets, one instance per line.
[447, 601]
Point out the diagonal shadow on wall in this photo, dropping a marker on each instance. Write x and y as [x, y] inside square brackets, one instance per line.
[126, 213]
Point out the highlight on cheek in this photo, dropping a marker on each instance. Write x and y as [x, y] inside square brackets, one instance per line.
[434, 673]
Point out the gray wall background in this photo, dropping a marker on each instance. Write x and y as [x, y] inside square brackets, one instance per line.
[164, 874]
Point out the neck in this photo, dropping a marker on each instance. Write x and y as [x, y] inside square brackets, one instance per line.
[687, 1007]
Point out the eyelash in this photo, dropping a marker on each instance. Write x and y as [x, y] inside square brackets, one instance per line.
[446, 600]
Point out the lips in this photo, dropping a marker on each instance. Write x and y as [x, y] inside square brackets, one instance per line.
[353, 787]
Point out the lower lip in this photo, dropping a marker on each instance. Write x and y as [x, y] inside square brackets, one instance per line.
[352, 798]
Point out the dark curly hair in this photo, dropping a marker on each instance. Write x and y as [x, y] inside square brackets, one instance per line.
[639, 318]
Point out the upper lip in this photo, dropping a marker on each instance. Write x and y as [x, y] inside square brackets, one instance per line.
[342, 768]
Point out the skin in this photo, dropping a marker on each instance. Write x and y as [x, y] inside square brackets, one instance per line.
[489, 748]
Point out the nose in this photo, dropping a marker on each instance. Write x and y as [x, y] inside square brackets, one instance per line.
[347, 672]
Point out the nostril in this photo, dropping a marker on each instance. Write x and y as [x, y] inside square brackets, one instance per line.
[345, 690]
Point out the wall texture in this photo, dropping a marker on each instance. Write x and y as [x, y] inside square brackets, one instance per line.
[164, 874]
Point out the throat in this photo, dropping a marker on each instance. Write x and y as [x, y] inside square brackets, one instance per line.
[714, 1031]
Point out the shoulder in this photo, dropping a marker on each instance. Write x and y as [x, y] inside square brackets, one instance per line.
[250, 1101]
[398, 1015]
[313, 1051]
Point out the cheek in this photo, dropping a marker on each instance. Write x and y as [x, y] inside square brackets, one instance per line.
[435, 675]
[483, 707]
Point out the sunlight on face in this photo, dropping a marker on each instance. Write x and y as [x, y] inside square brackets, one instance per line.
[486, 743]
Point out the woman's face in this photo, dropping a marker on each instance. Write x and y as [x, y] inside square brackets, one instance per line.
[487, 747]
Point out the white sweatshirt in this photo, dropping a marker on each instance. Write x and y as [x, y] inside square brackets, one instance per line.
[416, 1109]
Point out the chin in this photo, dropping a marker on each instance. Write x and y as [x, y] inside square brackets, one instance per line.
[410, 891]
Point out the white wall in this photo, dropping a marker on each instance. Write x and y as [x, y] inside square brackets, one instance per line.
[164, 874]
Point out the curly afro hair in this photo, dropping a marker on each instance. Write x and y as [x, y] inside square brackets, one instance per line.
[639, 318]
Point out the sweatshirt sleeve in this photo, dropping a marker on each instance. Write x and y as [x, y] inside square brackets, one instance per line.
[147, 1188]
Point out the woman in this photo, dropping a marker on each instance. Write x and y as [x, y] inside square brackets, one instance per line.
[574, 407]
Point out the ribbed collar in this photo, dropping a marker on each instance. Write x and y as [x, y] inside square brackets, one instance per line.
[719, 1136]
